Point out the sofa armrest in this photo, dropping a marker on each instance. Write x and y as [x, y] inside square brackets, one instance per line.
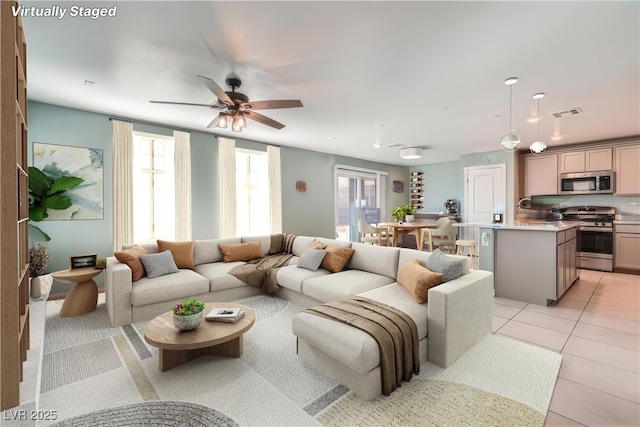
[460, 313]
[118, 287]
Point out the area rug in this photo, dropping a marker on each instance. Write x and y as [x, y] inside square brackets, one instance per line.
[89, 367]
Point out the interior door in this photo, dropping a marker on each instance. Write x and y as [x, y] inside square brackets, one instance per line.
[485, 192]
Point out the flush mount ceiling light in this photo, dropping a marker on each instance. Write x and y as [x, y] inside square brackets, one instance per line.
[411, 153]
[538, 146]
[510, 142]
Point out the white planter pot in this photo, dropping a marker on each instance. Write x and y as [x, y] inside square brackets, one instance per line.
[187, 323]
[409, 218]
[36, 287]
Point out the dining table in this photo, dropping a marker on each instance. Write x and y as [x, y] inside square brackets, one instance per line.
[414, 228]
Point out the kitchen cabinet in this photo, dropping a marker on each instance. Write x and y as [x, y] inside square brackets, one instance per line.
[541, 175]
[627, 168]
[534, 264]
[626, 249]
[585, 160]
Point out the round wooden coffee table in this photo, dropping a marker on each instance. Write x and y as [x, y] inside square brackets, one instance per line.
[208, 339]
[83, 297]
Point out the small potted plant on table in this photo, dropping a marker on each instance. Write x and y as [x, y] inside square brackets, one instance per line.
[406, 211]
[188, 314]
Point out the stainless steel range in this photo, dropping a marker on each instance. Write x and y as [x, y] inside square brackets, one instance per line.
[594, 235]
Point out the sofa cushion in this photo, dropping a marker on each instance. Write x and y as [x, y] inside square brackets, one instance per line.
[311, 259]
[375, 259]
[336, 258]
[182, 252]
[206, 251]
[159, 264]
[418, 280]
[339, 243]
[217, 274]
[346, 283]
[301, 244]
[241, 251]
[451, 267]
[291, 277]
[265, 242]
[397, 296]
[184, 283]
[131, 257]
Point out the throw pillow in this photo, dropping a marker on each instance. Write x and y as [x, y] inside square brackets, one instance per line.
[241, 251]
[311, 259]
[131, 257]
[159, 264]
[418, 280]
[450, 267]
[182, 252]
[336, 258]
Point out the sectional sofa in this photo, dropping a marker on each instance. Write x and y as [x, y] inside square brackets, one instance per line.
[457, 315]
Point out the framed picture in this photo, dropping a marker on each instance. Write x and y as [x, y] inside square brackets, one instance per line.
[80, 261]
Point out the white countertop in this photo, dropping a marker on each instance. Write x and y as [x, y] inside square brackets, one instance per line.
[526, 225]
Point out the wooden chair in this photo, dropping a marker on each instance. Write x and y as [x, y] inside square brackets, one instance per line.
[442, 236]
[468, 248]
[373, 235]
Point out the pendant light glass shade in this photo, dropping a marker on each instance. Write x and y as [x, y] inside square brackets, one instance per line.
[222, 121]
[538, 146]
[510, 142]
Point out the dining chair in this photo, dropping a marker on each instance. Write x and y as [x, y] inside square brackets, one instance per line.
[373, 235]
[443, 235]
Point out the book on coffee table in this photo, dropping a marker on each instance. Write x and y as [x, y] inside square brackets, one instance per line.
[229, 315]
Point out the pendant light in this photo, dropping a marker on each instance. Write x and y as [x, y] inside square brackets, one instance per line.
[510, 142]
[538, 146]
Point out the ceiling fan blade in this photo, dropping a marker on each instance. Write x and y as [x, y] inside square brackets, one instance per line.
[217, 90]
[271, 105]
[263, 119]
[184, 103]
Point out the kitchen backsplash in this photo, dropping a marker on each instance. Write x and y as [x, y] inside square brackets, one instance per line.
[624, 205]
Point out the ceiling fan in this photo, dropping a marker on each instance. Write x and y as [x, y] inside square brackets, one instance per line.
[235, 106]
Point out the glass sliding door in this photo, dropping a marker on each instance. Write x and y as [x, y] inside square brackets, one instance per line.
[359, 194]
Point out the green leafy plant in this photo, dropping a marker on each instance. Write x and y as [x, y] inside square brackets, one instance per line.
[38, 259]
[101, 263]
[47, 193]
[188, 307]
[401, 211]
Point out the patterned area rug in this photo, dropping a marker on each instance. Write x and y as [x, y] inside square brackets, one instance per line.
[91, 370]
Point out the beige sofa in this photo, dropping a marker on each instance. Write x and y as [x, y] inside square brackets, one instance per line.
[457, 315]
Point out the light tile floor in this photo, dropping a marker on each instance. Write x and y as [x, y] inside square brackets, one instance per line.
[596, 328]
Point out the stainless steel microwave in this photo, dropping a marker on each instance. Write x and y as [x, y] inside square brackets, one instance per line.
[598, 182]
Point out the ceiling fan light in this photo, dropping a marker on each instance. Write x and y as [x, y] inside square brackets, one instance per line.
[411, 153]
[242, 121]
[222, 121]
[538, 147]
[235, 125]
[510, 142]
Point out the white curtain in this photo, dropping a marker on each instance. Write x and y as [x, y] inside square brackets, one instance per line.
[182, 166]
[227, 186]
[122, 144]
[275, 189]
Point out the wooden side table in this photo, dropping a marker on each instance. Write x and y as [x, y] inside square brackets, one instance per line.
[83, 298]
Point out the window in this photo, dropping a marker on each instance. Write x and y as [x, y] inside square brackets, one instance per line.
[252, 193]
[153, 188]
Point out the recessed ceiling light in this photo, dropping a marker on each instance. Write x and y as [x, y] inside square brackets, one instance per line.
[332, 138]
[89, 83]
[376, 145]
[511, 81]
[494, 117]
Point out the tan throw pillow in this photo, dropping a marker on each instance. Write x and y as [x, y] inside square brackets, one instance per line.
[182, 252]
[131, 257]
[418, 280]
[241, 251]
[336, 258]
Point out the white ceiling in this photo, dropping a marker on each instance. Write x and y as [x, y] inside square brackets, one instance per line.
[421, 74]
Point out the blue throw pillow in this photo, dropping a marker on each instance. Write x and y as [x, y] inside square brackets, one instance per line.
[450, 267]
[159, 264]
[312, 259]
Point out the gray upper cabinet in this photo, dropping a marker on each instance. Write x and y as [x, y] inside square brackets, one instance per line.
[627, 167]
[585, 161]
[541, 175]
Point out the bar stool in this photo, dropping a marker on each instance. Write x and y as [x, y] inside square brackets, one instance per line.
[468, 248]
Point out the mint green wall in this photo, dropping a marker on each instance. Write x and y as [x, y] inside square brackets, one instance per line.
[442, 181]
[309, 213]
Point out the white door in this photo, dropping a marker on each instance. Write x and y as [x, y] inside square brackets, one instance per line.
[485, 192]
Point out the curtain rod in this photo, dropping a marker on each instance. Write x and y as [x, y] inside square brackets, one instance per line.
[149, 123]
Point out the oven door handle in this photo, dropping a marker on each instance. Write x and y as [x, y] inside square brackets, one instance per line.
[602, 229]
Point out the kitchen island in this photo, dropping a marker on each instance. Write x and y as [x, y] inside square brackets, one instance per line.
[532, 261]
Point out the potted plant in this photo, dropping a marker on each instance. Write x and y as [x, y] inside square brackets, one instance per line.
[101, 263]
[38, 260]
[406, 211]
[188, 314]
